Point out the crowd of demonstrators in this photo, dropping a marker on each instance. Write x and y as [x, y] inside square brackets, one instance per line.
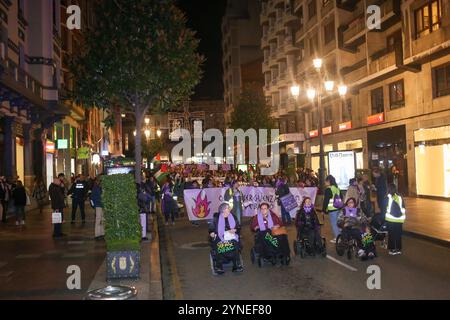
[354, 216]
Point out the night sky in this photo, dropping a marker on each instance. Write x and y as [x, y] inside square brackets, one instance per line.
[205, 17]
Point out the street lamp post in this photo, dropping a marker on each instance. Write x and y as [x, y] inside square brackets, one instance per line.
[315, 96]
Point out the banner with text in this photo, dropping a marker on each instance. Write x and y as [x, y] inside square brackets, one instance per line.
[201, 204]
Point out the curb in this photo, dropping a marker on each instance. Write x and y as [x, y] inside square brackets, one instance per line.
[156, 290]
[437, 241]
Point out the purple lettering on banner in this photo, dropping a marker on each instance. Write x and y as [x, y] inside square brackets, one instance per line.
[202, 204]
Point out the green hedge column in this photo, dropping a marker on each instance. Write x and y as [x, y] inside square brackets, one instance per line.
[123, 229]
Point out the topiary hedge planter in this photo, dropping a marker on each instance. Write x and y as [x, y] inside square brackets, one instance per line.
[123, 228]
[123, 265]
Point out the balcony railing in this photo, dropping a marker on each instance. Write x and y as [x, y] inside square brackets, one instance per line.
[25, 80]
[382, 62]
[355, 27]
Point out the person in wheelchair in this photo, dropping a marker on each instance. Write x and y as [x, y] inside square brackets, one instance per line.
[308, 226]
[271, 241]
[352, 222]
[225, 240]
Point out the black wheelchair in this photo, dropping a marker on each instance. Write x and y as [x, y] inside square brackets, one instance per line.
[268, 250]
[227, 258]
[346, 244]
[303, 247]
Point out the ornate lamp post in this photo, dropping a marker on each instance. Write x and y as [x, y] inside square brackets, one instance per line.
[315, 95]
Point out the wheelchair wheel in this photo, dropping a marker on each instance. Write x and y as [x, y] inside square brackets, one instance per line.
[323, 252]
[260, 261]
[340, 246]
[286, 260]
[212, 264]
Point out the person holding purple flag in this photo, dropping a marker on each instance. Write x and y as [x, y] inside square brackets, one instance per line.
[282, 190]
[224, 232]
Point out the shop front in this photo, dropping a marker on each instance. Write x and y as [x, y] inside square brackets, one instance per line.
[432, 160]
[387, 151]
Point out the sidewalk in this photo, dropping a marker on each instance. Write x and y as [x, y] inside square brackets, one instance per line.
[428, 218]
[425, 218]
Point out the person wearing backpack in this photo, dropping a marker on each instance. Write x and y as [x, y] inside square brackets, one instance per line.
[332, 204]
[395, 218]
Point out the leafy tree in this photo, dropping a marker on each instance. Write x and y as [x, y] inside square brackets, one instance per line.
[139, 55]
[252, 111]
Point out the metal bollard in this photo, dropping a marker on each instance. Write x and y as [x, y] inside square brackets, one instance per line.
[112, 293]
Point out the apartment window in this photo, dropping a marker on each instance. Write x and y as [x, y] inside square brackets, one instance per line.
[3, 16]
[312, 9]
[21, 9]
[313, 46]
[441, 80]
[314, 120]
[428, 18]
[377, 100]
[300, 17]
[329, 32]
[328, 116]
[347, 110]
[397, 95]
[301, 55]
[392, 39]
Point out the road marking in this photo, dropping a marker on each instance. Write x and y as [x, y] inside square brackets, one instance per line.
[342, 264]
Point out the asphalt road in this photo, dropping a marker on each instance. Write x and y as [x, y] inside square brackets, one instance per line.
[422, 272]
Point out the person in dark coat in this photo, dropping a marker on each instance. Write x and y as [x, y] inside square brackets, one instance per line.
[282, 189]
[20, 201]
[57, 202]
[5, 197]
[168, 204]
[78, 190]
[308, 225]
[381, 188]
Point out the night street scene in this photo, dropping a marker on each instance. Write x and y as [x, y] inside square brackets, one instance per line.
[253, 152]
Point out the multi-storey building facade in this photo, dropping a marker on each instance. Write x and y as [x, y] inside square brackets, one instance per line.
[397, 110]
[241, 50]
[41, 129]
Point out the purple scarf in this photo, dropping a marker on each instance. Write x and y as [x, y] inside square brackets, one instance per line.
[351, 212]
[308, 209]
[221, 227]
[262, 225]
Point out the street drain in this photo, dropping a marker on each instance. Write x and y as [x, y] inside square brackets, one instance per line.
[195, 245]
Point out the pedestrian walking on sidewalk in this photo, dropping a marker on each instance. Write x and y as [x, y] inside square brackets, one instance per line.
[332, 204]
[96, 197]
[5, 196]
[78, 190]
[20, 201]
[57, 203]
[40, 193]
[395, 218]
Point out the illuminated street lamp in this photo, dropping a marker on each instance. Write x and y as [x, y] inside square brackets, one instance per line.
[315, 95]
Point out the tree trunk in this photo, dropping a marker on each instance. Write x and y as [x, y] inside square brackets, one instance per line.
[138, 146]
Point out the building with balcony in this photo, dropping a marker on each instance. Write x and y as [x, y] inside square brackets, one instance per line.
[397, 110]
[29, 83]
[241, 36]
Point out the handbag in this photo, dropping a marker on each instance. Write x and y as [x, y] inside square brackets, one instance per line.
[56, 217]
[279, 231]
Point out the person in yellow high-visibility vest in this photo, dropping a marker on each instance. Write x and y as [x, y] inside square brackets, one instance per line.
[395, 218]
